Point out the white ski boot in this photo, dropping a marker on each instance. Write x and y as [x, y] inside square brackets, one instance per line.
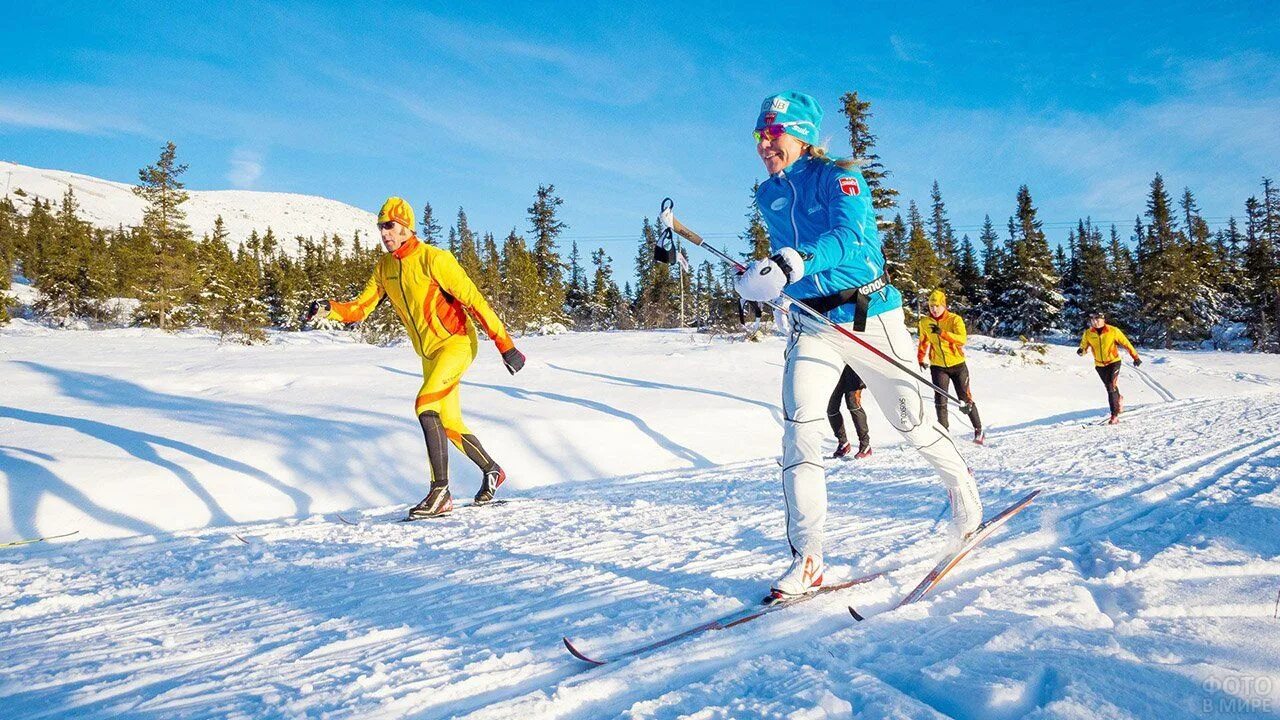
[803, 577]
[966, 511]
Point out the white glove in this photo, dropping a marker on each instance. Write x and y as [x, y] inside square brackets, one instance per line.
[763, 280]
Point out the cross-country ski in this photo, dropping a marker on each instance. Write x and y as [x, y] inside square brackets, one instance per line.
[746, 615]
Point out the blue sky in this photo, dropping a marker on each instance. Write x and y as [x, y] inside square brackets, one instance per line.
[621, 104]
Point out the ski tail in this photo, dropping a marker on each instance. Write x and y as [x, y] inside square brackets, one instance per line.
[741, 616]
[44, 538]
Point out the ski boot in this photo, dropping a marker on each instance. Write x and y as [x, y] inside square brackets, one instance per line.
[979, 436]
[966, 512]
[437, 502]
[1115, 419]
[489, 485]
[803, 577]
[864, 451]
[842, 452]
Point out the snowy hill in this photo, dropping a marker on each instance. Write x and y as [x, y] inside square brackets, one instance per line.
[109, 204]
[213, 577]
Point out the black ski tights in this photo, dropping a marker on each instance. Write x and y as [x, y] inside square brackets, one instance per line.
[942, 377]
[1110, 375]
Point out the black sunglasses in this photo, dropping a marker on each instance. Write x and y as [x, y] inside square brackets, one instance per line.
[387, 225]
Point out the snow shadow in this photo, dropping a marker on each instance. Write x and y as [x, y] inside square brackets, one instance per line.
[688, 454]
[30, 483]
[774, 410]
[305, 443]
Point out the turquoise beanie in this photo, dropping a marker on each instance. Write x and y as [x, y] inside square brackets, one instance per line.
[800, 114]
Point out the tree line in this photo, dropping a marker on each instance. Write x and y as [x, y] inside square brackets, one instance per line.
[1168, 279]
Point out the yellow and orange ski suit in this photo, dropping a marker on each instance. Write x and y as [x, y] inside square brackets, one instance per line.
[946, 347]
[433, 297]
[1104, 344]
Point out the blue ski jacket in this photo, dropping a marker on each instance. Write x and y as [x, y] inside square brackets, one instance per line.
[824, 211]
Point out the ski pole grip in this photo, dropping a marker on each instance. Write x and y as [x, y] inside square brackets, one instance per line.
[685, 232]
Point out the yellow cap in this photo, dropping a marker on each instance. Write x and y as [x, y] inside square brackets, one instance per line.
[937, 297]
[396, 209]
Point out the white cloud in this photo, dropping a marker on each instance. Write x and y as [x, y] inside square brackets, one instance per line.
[18, 115]
[906, 50]
[246, 168]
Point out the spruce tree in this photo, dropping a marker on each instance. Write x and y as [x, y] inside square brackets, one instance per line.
[894, 246]
[756, 235]
[74, 280]
[989, 318]
[1271, 229]
[1098, 291]
[490, 280]
[922, 272]
[756, 238]
[430, 227]
[577, 295]
[546, 226]
[862, 143]
[37, 243]
[972, 286]
[454, 248]
[168, 278]
[468, 252]
[1165, 278]
[9, 236]
[944, 245]
[1208, 300]
[1030, 298]
[1260, 272]
[521, 284]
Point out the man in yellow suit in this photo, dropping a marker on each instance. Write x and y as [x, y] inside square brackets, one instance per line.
[1105, 340]
[942, 339]
[435, 299]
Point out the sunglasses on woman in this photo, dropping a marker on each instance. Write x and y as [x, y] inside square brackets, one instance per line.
[776, 130]
[387, 225]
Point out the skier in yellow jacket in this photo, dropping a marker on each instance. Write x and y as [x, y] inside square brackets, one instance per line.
[1105, 340]
[434, 298]
[942, 339]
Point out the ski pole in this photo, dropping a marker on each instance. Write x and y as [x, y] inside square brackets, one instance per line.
[691, 236]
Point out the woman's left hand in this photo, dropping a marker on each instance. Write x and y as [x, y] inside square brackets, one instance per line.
[763, 280]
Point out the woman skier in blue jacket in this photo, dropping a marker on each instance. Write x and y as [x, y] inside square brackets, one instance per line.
[827, 253]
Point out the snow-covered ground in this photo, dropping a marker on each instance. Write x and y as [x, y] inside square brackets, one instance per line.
[108, 204]
[213, 578]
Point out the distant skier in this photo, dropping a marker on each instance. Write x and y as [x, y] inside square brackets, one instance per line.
[434, 298]
[941, 350]
[849, 393]
[822, 229]
[1102, 339]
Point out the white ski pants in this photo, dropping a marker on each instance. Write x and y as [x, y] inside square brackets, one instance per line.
[815, 358]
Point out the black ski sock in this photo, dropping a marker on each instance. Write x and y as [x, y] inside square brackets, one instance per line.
[973, 416]
[474, 450]
[437, 447]
[860, 424]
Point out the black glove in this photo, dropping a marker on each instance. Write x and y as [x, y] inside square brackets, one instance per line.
[936, 329]
[315, 309]
[1080, 351]
[514, 360]
[923, 367]
[1137, 362]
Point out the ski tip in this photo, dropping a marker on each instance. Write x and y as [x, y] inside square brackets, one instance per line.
[345, 521]
[578, 654]
[855, 614]
[246, 542]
